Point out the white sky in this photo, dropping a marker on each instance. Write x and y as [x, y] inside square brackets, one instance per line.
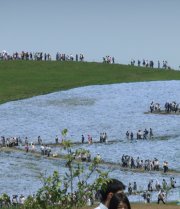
[125, 29]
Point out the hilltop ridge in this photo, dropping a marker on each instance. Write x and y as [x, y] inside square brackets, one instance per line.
[25, 79]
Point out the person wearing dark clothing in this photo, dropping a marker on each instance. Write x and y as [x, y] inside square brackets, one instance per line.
[129, 189]
[161, 197]
[135, 187]
[148, 196]
[132, 136]
[150, 133]
[173, 182]
[56, 139]
[165, 166]
[82, 139]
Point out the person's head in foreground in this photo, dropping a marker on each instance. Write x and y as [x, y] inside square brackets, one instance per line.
[111, 187]
[119, 201]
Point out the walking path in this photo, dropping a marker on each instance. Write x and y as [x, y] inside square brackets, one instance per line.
[110, 165]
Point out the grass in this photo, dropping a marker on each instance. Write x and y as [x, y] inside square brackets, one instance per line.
[24, 79]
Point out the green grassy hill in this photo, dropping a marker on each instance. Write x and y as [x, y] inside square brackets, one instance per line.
[23, 79]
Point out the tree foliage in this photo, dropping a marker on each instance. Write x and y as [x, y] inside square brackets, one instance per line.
[72, 189]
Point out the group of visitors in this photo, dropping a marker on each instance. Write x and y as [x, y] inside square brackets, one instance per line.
[108, 59]
[9, 141]
[15, 200]
[111, 195]
[140, 134]
[148, 165]
[67, 57]
[83, 156]
[161, 196]
[16, 141]
[150, 64]
[168, 107]
[45, 150]
[89, 139]
[172, 107]
[144, 63]
[157, 187]
[161, 188]
[132, 188]
[103, 137]
[153, 186]
[25, 56]
[155, 107]
[6, 201]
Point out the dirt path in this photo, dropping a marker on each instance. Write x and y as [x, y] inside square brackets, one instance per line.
[147, 206]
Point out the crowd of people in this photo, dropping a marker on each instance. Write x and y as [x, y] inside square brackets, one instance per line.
[102, 139]
[156, 186]
[45, 150]
[18, 141]
[39, 55]
[150, 64]
[67, 57]
[28, 146]
[153, 186]
[148, 165]
[140, 134]
[168, 107]
[42, 56]
[160, 188]
[6, 201]
[25, 56]
[82, 155]
[108, 59]
[9, 141]
[126, 160]
[111, 195]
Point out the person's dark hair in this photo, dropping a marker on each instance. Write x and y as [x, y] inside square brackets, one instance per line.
[117, 198]
[113, 185]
